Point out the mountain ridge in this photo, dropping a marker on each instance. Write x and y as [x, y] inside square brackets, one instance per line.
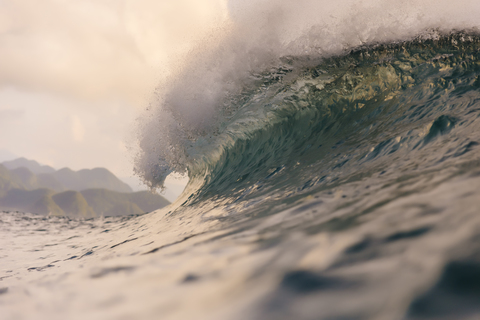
[32, 165]
[54, 193]
[64, 178]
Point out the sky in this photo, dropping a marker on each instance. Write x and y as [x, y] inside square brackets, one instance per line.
[75, 75]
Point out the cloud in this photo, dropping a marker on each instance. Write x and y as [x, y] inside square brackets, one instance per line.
[78, 129]
[56, 131]
[9, 114]
[98, 49]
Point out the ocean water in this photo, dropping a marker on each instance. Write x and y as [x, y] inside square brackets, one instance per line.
[326, 182]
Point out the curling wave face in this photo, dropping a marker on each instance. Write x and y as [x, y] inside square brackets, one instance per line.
[313, 124]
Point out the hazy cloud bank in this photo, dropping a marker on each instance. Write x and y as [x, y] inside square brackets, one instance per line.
[97, 49]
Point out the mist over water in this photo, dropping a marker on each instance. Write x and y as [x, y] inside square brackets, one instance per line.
[333, 153]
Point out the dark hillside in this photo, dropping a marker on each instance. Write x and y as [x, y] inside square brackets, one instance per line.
[73, 204]
[23, 200]
[8, 180]
[89, 179]
[104, 201]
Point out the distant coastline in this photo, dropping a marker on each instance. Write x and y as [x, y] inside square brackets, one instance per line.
[27, 186]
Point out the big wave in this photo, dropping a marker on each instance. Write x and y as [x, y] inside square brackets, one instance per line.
[312, 120]
[225, 90]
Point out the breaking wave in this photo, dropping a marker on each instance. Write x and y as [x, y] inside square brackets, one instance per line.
[311, 122]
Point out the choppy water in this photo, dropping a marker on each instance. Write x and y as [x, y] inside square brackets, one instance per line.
[339, 187]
